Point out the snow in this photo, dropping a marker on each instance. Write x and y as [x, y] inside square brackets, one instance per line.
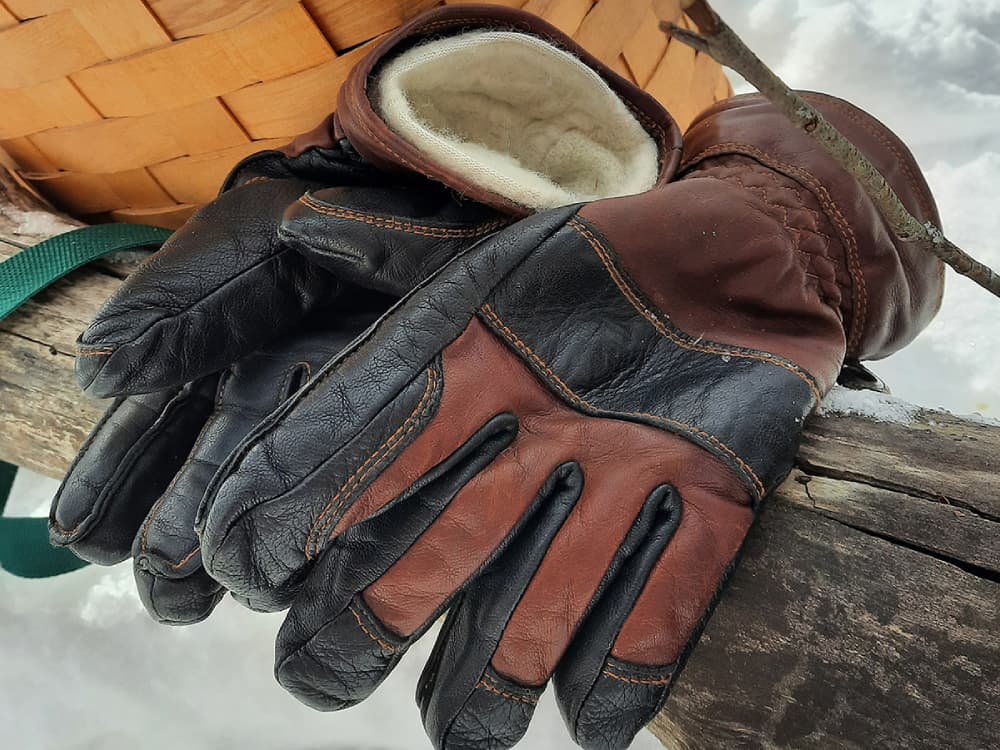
[84, 668]
[877, 406]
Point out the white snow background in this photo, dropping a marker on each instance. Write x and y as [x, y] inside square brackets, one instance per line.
[82, 667]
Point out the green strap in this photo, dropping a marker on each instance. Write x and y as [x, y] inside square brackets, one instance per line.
[24, 542]
[31, 270]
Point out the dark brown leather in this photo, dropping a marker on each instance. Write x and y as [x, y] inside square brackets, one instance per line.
[891, 288]
[321, 136]
[739, 274]
[717, 514]
[365, 129]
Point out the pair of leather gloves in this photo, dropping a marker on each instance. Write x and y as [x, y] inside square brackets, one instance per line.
[491, 341]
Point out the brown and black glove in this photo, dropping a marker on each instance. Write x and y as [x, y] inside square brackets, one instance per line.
[482, 150]
[562, 437]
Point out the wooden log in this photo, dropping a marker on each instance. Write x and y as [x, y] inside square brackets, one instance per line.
[866, 609]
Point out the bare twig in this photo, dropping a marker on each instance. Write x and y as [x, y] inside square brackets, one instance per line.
[719, 41]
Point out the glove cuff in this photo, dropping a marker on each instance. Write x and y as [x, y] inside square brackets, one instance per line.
[373, 113]
[891, 288]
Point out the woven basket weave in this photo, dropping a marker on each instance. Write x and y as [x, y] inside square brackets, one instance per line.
[137, 109]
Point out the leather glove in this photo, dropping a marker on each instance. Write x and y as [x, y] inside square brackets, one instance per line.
[563, 436]
[472, 115]
[229, 281]
[136, 484]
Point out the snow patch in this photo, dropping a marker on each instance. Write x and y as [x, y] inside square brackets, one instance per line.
[112, 600]
[871, 404]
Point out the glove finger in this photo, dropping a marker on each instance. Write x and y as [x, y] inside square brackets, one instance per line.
[182, 601]
[217, 290]
[385, 239]
[333, 650]
[123, 467]
[463, 701]
[619, 669]
[167, 551]
[292, 483]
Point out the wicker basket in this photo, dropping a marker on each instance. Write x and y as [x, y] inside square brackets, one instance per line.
[136, 109]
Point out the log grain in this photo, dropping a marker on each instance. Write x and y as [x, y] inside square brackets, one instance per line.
[865, 612]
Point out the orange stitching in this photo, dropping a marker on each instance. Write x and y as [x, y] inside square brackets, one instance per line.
[329, 513]
[493, 689]
[573, 397]
[859, 291]
[398, 225]
[386, 646]
[631, 296]
[636, 680]
[796, 231]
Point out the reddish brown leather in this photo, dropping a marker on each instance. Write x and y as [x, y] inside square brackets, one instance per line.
[891, 287]
[728, 264]
[367, 132]
[623, 462]
[688, 573]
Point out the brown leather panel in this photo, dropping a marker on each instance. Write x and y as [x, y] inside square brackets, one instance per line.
[461, 540]
[685, 578]
[718, 261]
[622, 463]
[367, 132]
[895, 287]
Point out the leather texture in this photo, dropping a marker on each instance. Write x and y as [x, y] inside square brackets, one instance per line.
[312, 235]
[136, 484]
[229, 288]
[561, 438]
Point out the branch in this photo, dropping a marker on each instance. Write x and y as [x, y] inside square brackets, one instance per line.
[720, 42]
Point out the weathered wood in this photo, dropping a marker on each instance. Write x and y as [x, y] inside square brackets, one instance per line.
[865, 612]
[828, 637]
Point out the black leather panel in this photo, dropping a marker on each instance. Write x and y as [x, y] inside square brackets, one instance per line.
[386, 239]
[605, 702]
[464, 706]
[277, 523]
[125, 464]
[564, 314]
[332, 651]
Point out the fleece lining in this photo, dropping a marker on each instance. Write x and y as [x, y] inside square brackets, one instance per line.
[517, 116]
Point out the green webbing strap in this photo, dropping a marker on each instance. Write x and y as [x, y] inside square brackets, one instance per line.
[24, 542]
[31, 270]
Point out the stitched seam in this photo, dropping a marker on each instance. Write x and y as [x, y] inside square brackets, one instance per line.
[637, 303]
[83, 449]
[326, 517]
[636, 680]
[484, 685]
[398, 225]
[859, 292]
[796, 231]
[568, 392]
[384, 644]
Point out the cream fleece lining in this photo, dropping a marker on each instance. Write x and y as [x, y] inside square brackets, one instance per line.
[517, 116]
